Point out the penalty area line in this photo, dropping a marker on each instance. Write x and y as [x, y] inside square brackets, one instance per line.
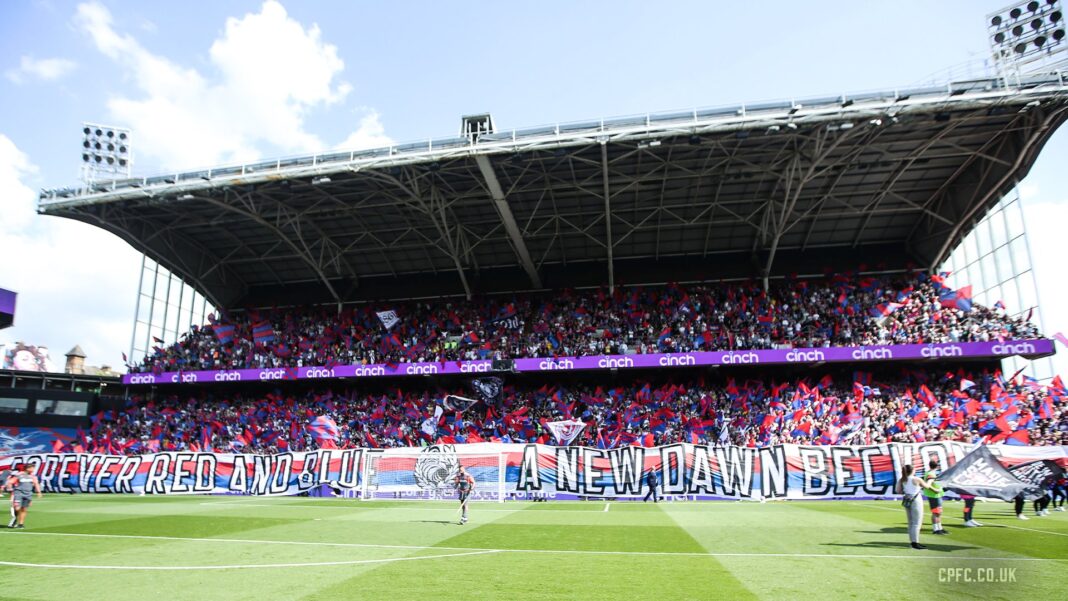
[240, 566]
[477, 550]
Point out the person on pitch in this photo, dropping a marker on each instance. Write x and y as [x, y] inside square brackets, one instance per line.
[1060, 492]
[1018, 507]
[652, 481]
[911, 486]
[4, 476]
[1042, 504]
[969, 511]
[465, 485]
[23, 484]
[934, 494]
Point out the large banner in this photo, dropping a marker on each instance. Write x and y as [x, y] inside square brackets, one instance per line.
[23, 441]
[1026, 348]
[683, 470]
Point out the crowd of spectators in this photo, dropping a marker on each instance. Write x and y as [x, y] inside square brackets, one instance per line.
[857, 408]
[839, 310]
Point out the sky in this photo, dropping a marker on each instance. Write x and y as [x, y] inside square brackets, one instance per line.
[204, 83]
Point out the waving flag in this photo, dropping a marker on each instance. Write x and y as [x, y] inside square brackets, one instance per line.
[565, 431]
[979, 473]
[388, 318]
[1061, 338]
[885, 309]
[224, 333]
[323, 429]
[966, 384]
[458, 403]
[488, 388]
[1038, 474]
[262, 332]
[957, 299]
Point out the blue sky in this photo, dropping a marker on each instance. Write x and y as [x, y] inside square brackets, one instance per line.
[208, 82]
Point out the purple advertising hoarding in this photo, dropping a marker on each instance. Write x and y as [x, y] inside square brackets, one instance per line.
[7, 308]
[764, 357]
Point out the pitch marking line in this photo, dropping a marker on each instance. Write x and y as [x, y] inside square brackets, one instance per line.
[606, 507]
[358, 508]
[994, 525]
[239, 566]
[543, 551]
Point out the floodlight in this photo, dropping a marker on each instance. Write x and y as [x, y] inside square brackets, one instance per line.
[102, 155]
[1027, 34]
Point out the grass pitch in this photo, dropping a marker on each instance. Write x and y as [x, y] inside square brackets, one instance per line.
[201, 548]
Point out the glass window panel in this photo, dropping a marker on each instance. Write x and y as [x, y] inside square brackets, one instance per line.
[971, 250]
[49, 407]
[1027, 297]
[1010, 295]
[982, 240]
[997, 230]
[1018, 247]
[974, 276]
[8, 405]
[1002, 265]
[1014, 219]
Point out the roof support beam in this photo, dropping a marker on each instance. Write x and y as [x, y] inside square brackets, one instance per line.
[608, 218]
[303, 253]
[505, 211]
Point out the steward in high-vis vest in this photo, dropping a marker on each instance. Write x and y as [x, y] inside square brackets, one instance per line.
[934, 496]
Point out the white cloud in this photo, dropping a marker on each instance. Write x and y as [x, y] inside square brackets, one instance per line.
[271, 72]
[370, 134]
[46, 69]
[76, 283]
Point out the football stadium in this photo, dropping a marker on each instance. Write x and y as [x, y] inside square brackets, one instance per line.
[709, 354]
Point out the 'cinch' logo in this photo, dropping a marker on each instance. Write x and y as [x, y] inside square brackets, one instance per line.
[733, 358]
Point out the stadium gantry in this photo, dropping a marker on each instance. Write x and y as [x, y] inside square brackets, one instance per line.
[894, 178]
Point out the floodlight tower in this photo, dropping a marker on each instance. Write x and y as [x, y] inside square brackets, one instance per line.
[105, 152]
[1026, 37]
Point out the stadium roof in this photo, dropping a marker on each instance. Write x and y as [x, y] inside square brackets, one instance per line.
[752, 190]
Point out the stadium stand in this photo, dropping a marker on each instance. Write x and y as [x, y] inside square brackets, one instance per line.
[908, 405]
[839, 310]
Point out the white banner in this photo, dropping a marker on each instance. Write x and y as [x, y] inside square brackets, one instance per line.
[388, 318]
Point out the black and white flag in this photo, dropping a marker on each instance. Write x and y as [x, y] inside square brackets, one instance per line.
[565, 431]
[511, 322]
[458, 403]
[388, 318]
[1039, 474]
[488, 388]
[980, 474]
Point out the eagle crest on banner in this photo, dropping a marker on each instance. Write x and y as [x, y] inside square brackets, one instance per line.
[488, 388]
[436, 466]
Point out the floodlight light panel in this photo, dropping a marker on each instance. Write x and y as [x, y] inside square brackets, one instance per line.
[1025, 32]
[105, 151]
